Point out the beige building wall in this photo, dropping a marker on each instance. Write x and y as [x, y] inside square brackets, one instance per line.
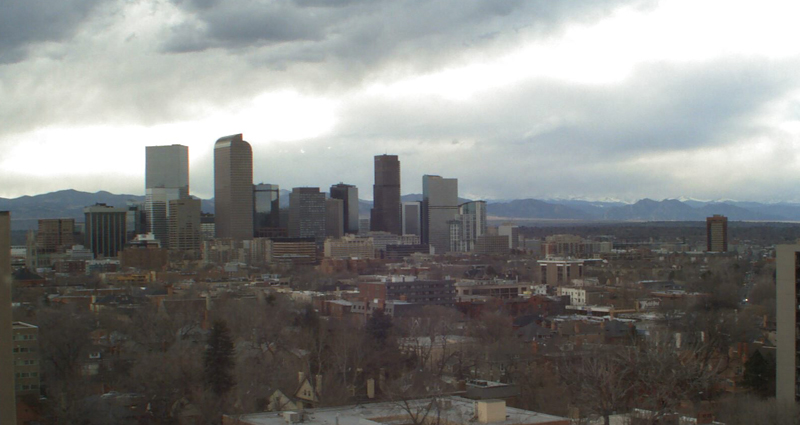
[184, 224]
[8, 405]
[786, 300]
[560, 272]
[349, 247]
[26, 358]
[233, 188]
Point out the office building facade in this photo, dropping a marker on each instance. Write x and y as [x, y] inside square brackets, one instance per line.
[559, 272]
[385, 215]
[105, 230]
[55, 235]
[26, 359]
[136, 218]
[717, 233]
[349, 195]
[184, 225]
[491, 245]
[233, 188]
[167, 167]
[8, 403]
[307, 213]
[512, 232]
[787, 389]
[411, 216]
[334, 218]
[267, 209]
[294, 251]
[156, 205]
[473, 223]
[349, 246]
[439, 207]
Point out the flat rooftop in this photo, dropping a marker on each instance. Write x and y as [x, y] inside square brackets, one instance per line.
[454, 410]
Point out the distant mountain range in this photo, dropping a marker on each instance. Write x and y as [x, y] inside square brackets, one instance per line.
[26, 210]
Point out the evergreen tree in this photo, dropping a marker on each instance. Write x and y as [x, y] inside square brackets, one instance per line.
[379, 327]
[759, 375]
[218, 361]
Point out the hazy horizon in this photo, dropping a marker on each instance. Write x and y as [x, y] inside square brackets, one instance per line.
[369, 198]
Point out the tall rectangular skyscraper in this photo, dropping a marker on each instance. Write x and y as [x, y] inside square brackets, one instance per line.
[787, 389]
[349, 195]
[105, 230]
[167, 167]
[334, 218]
[166, 178]
[267, 213]
[307, 213]
[184, 225]
[156, 205]
[411, 218]
[717, 233]
[233, 188]
[473, 223]
[439, 207]
[385, 216]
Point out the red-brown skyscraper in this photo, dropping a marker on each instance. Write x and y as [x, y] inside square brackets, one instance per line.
[233, 188]
[385, 215]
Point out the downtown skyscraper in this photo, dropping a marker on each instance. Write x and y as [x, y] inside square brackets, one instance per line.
[349, 196]
[233, 188]
[439, 208]
[385, 215]
[166, 179]
[307, 218]
[267, 209]
[167, 167]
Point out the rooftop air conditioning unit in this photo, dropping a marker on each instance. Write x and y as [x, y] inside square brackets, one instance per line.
[291, 417]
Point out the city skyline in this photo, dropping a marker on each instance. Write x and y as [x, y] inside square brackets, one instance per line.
[597, 100]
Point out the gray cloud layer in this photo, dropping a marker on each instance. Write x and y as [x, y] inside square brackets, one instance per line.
[24, 22]
[155, 62]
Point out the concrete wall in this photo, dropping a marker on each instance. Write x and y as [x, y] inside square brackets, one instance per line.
[8, 405]
[786, 300]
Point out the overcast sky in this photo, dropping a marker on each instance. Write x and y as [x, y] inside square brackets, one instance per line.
[516, 99]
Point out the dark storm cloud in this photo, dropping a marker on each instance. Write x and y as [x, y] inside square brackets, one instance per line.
[363, 34]
[241, 24]
[24, 22]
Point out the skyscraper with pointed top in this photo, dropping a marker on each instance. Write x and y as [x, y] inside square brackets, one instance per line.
[385, 214]
[233, 188]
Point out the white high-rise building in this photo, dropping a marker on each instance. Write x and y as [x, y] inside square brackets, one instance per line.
[167, 167]
[473, 223]
[166, 179]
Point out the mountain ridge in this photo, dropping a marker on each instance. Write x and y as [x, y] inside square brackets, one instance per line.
[69, 203]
